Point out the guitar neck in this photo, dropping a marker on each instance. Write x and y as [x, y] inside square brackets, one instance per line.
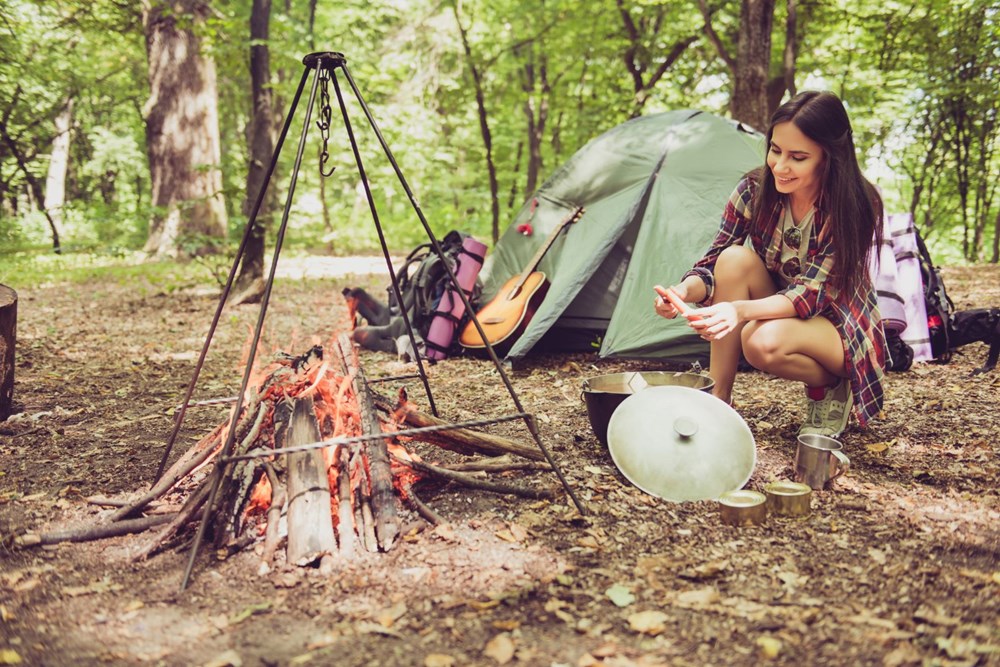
[537, 259]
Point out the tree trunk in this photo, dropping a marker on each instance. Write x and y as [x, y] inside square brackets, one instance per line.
[749, 103]
[8, 340]
[484, 126]
[249, 287]
[55, 181]
[182, 132]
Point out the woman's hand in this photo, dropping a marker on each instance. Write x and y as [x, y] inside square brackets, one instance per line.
[663, 306]
[715, 321]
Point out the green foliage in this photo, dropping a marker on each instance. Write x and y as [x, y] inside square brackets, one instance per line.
[920, 80]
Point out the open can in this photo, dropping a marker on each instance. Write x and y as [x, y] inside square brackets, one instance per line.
[743, 508]
[788, 498]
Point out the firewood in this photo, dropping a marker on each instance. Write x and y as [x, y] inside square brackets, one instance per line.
[476, 483]
[178, 521]
[89, 533]
[461, 440]
[310, 522]
[272, 535]
[505, 465]
[376, 454]
[422, 509]
[345, 513]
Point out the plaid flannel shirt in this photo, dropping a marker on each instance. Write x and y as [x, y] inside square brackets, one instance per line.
[856, 318]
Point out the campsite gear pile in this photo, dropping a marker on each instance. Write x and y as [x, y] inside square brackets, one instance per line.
[919, 317]
[430, 299]
[681, 444]
[604, 393]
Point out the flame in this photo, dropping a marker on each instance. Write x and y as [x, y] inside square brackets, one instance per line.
[338, 414]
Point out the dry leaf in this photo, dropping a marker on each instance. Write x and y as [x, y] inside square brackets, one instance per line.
[769, 647]
[620, 595]
[388, 617]
[877, 555]
[228, 658]
[439, 660]
[702, 596]
[500, 648]
[9, 656]
[648, 622]
[877, 447]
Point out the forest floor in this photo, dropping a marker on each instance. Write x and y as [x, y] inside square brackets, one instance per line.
[896, 565]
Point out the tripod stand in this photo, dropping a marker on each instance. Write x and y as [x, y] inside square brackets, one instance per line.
[325, 67]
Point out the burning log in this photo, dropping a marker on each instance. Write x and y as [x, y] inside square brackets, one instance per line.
[322, 502]
[379, 474]
[310, 524]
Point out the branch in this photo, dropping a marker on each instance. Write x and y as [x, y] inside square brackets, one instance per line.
[713, 37]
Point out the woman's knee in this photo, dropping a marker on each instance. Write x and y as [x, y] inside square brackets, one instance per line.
[762, 344]
[737, 259]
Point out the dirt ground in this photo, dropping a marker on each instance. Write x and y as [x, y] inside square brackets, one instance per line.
[898, 565]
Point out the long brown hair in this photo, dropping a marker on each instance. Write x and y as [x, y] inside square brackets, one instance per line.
[850, 208]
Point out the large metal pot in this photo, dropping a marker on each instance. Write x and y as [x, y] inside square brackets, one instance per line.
[604, 393]
[681, 444]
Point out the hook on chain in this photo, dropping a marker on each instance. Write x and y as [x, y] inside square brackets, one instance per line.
[325, 113]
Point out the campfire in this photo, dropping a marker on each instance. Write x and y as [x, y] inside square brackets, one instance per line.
[321, 466]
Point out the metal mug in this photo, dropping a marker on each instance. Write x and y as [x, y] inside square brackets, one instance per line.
[819, 460]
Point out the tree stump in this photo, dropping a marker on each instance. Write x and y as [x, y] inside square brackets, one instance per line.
[8, 338]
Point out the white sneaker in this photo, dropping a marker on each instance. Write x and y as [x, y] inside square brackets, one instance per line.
[829, 416]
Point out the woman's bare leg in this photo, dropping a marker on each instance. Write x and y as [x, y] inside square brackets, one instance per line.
[739, 275]
[810, 351]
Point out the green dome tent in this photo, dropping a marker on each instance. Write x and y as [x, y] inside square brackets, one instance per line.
[653, 189]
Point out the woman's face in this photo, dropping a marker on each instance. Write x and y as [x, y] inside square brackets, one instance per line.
[795, 160]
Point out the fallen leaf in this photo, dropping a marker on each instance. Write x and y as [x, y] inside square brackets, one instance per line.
[620, 595]
[705, 570]
[388, 617]
[439, 660]
[648, 622]
[769, 647]
[878, 447]
[500, 648]
[9, 656]
[445, 532]
[702, 596]
[877, 555]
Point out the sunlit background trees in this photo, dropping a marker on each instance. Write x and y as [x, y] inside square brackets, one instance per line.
[128, 126]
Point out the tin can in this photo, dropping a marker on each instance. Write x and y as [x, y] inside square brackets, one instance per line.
[788, 498]
[743, 508]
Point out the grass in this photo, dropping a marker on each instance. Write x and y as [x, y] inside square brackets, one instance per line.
[29, 270]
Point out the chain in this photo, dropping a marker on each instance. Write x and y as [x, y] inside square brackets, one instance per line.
[325, 113]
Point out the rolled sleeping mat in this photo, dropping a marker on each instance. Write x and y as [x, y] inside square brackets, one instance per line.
[450, 309]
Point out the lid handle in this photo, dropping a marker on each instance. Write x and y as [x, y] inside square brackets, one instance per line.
[685, 427]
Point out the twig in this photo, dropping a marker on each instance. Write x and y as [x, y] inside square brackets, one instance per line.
[496, 466]
[472, 482]
[93, 532]
[422, 509]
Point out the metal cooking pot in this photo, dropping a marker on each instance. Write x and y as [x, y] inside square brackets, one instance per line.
[681, 444]
[604, 393]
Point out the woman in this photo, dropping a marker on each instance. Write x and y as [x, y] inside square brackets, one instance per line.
[786, 280]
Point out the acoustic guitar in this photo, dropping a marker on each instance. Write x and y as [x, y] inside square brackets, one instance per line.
[506, 317]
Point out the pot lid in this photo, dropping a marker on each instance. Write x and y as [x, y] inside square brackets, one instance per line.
[681, 444]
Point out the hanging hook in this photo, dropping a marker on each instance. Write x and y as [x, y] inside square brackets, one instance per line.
[325, 114]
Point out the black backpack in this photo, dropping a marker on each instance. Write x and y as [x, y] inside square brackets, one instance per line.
[940, 309]
[422, 280]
